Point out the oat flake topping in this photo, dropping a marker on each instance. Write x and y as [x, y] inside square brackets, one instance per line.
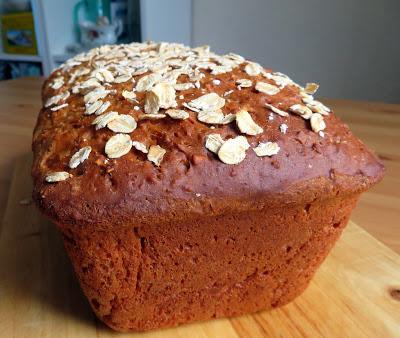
[301, 110]
[140, 146]
[267, 88]
[156, 154]
[244, 83]
[57, 176]
[311, 88]
[161, 95]
[233, 151]
[253, 69]
[207, 102]
[102, 120]
[267, 149]
[118, 145]
[79, 157]
[246, 124]
[317, 122]
[214, 142]
[122, 124]
[168, 82]
[177, 114]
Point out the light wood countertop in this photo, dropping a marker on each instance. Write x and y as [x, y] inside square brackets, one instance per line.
[377, 124]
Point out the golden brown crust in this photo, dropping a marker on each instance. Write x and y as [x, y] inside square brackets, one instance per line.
[190, 179]
[181, 226]
[142, 278]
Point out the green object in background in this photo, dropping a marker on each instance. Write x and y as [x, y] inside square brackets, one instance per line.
[91, 10]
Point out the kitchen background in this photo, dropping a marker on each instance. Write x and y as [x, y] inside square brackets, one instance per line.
[350, 47]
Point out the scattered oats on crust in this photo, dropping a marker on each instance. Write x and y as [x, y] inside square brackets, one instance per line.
[56, 99]
[122, 78]
[129, 95]
[246, 123]
[95, 95]
[103, 75]
[311, 88]
[57, 176]
[211, 101]
[228, 118]
[102, 120]
[253, 69]
[77, 73]
[236, 58]
[211, 116]
[57, 83]
[146, 82]
[122, 124]
[79, 157]
[317, 122]
[281, 80]
[266, 149]
[244, 83]
[214, 142]
[157, 67]
[233, 151]
[306, 98]
[283, 128]
[218, 70]
[118, 145]
[183, 86]
[103, 108]
[140, 71]
[318, 107]
[91, 108]
[156, 154]
[267, 88]
[186, 105]
[154, 116]
[301, 110]
[162, 95]
[177, 114]
[90, 83]
[277, 110]
[140, 146]
[61, 106]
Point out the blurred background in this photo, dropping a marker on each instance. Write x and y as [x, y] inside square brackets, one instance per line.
[350, 47]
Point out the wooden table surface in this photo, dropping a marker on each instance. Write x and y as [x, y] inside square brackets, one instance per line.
[377, 124]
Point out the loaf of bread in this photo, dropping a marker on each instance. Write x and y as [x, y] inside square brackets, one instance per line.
[189, 185]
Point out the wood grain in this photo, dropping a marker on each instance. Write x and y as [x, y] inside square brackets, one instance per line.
[19, 106]
[354, 294]
[378, 124]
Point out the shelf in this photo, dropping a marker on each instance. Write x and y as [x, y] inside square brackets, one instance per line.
[20, 57]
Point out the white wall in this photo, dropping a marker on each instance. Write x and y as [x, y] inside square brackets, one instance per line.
[166, 20]
[59, 25]
[350, 47]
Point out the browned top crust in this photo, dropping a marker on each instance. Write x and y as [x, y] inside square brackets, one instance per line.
[147, 155]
